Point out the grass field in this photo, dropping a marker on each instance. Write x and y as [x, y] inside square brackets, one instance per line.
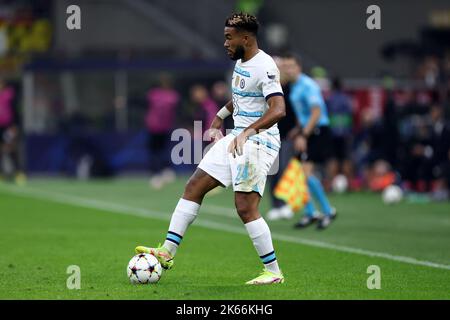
[53, 223]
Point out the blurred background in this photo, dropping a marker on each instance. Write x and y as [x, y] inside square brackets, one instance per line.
[102, 101]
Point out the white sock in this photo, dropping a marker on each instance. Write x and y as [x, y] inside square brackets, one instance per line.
[184, 214]
[259, 232]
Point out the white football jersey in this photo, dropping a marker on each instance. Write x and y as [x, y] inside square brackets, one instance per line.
[254, 81]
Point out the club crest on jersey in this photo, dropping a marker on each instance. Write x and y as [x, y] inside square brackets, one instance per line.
[242, 84]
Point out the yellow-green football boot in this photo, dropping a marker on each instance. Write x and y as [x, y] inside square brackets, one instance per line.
[161, 253]
[267, 277]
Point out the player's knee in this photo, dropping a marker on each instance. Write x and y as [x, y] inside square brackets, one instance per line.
[192, 190]
[245, 209]
[191, 186]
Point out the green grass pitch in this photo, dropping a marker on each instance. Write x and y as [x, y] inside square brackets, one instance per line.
[51, 224]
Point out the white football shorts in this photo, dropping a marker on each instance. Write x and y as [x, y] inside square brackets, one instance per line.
[247, 172]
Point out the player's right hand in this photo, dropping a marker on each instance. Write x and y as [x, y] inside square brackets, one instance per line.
[215, 134]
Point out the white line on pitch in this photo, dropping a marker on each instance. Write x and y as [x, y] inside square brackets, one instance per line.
[141, 212]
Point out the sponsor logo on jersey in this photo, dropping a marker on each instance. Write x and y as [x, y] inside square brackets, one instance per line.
[271, 76]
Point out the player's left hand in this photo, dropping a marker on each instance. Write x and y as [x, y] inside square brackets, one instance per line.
[237, 145]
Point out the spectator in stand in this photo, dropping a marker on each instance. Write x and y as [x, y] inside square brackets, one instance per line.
[10, 164]
[417, 164]
[429, 71]
[368, 144]
[162, 104]
[440, 144]
[205, 108]
[220, 93]
[341, 122]
[390, 129]
[446, 176]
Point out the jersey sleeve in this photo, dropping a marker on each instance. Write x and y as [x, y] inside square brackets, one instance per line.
[270, 82]
[314, 97]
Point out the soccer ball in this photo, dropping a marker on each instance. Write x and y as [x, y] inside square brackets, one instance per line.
[339, 184]
[392, 194]
[144, 268]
